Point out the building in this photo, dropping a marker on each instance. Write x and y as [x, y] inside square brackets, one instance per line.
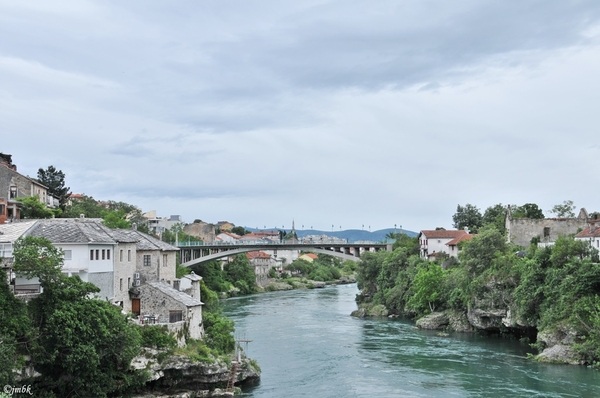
[523, 231]
[591, 234]
[227, 237]
[14, 185]
[158, 225]
[262, 264]
[434, 242]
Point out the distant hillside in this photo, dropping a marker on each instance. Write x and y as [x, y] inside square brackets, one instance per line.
[352, 235]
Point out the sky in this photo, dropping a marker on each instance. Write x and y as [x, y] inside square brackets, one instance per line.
[332, 114]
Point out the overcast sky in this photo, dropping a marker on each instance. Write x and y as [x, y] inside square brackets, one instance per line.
[344, 113]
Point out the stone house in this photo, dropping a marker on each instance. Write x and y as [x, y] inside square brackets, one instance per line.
[434, 242]
[521, 231]
[140, 258]
[262, 263]
[180, 312]
[14, 185]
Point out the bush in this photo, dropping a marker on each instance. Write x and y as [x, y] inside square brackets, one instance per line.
[156, 337]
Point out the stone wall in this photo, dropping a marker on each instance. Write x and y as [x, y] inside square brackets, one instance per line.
[520, 231]
[157, 270]
[202, 230]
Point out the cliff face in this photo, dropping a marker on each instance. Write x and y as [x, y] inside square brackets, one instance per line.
[177, 373]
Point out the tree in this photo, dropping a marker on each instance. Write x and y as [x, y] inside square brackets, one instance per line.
[55, 181]
[86, 205]
[240, 273]
[427, 286]
[467, 216]
[241, 231]
[528, 210]
[496, 216]
[564, 210]
[33, 208]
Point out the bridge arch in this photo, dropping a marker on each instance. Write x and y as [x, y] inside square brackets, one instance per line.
[239, 250]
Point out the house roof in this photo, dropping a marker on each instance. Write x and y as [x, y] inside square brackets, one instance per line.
[167, 290]
[193, 277]
[257, 254]
[13, 231]
[72, 230]
[234, 236]
[443, 234]
[461, 238]
[143, 241]
[588, 233]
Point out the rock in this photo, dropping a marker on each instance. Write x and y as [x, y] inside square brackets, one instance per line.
[317, 284]
[433, 321]
[459, 322]
[486, 319]
[560, 353]
[183, 373]
[564, 335]
[370, 310]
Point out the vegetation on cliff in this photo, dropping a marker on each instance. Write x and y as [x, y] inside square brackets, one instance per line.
[544, 289]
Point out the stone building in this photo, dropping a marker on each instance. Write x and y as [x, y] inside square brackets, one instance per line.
[14, 185]
[201, 230]
[180, 312]
[262, 263]
[521, 231]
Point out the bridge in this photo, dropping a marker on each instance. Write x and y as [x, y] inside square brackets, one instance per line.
[192, 253]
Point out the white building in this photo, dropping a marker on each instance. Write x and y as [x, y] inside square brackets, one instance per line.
[433, 242]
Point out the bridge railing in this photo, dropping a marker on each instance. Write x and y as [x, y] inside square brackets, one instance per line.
[278, 243]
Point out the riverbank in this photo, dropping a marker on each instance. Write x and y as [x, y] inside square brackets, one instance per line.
[297, 282]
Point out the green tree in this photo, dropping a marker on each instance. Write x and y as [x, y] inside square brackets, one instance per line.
[239, 231]
[467, 216]
[565, 209]
[427, 288]
[33, 208]
[55, 181]
[240, 273]
[14, 328]
[479, 253]
[496, 216]
[86, 205]
[116, 219]
[528, 210]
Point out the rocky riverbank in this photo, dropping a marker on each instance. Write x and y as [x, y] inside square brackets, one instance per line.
[302, 283]
[557, 344]
[181, 376]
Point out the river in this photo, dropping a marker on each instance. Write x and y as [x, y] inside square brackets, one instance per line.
[308, 345]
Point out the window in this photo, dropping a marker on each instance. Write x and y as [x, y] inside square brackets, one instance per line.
[121, 284]
[2, 210]
[68, 254]
[13, 192]
[108, 254]
[121, 255]
[128, 283]
[146, 260]
[97, 254]
[164, 260]
[175, 316]
[176, 285]
[129, 255]
[91, 254]
[546, 232]
[103, 254]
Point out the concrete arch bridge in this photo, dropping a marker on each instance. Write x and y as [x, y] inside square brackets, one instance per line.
[198, 252]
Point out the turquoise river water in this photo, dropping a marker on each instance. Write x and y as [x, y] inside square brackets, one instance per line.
[308, 345]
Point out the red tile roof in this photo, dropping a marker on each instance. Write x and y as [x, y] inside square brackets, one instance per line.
[587, 233]
[443, 234]
[460, 239]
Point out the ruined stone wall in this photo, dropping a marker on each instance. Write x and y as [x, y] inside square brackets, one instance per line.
[202, 230]
[520, 231]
